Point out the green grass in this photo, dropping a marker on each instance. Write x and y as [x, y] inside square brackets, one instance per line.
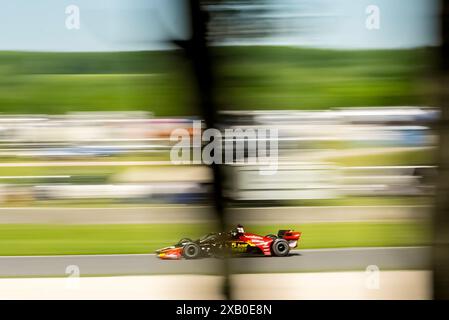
[357, 234]
[135, 156]
[37, 239]
[393, 158]
[344, 201]
[92, 170]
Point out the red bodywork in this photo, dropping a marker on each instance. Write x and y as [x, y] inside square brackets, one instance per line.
[253, 240]
[264, 243]
[170, 253]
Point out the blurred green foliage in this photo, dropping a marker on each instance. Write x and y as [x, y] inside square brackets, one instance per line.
[250, 78]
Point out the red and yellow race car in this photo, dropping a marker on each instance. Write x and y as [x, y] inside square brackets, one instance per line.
[235, 242]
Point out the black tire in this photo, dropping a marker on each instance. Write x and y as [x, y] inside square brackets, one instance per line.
[191, 250]
[272, 236]
[280, 248]
[184, 240]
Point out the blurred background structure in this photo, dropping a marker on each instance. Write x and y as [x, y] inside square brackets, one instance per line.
[86, 177]
[124, 158]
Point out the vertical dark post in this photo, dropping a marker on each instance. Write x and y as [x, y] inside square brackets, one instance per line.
[441, 218]
[197, 51]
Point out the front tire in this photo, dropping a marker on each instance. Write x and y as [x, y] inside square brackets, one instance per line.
[191, 250]
[280, 248]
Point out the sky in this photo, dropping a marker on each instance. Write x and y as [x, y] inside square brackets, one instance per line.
[126, 25]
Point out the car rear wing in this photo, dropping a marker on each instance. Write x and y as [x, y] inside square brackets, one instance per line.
[289, 235]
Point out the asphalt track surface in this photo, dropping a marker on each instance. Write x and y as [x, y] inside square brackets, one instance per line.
[348, 259]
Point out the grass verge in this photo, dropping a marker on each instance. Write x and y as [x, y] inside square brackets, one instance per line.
[38, 239]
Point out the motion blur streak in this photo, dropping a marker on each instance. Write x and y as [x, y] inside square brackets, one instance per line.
[88, 186]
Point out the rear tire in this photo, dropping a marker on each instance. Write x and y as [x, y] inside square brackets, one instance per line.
[191, 250]
[280, 248]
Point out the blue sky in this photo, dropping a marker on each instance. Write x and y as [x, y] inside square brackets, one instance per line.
[108, 25]
[105, 24]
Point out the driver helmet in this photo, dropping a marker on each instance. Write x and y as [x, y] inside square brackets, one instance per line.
[240, 229]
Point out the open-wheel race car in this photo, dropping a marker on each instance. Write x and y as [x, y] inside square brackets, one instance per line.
[235, 242]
